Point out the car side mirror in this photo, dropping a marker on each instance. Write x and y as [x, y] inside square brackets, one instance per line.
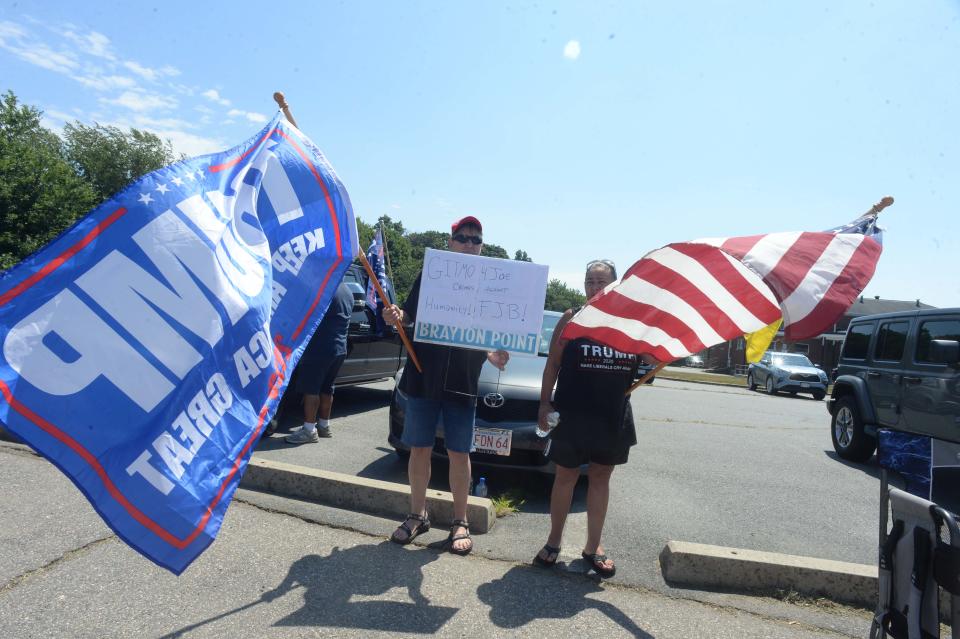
[945, 351]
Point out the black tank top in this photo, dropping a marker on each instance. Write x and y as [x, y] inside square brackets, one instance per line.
[594, 379]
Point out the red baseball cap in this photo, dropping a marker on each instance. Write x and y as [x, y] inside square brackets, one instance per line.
[464, 221]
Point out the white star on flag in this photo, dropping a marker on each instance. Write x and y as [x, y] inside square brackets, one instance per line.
[145, 198]
[190, 176]
[163, 188]
[177, 181]
[200, 174]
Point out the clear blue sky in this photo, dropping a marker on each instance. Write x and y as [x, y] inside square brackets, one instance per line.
[572, 130]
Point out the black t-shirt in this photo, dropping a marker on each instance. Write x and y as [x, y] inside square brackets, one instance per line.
[449, 373]
[594, 380]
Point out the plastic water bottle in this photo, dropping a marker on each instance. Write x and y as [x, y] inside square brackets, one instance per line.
[481, 489]
[552, 420]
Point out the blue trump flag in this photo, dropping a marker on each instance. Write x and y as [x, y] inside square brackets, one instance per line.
[145, 348]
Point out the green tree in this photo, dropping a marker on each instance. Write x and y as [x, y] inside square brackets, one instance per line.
[40, 193]
[560, 297]
[521, 256]
[492, 250]
[110, 159]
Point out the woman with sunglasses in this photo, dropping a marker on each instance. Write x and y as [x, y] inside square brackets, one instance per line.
[595, 424]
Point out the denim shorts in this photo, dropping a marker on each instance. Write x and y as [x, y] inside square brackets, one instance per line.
[423, 419]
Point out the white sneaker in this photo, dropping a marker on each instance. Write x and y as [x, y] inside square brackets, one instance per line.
[302, 436]
[324, 431]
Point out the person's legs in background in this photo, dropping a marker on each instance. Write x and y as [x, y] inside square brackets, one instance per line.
[317, 407]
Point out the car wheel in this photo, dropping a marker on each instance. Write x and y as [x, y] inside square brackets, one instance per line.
[750, 384]
[770, 389]
[846, 430]
[819, 395]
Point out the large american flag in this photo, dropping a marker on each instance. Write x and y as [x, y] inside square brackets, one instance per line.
[684, 297]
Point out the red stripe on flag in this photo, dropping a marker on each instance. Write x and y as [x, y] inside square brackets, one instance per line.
[841, 294]
[659, 275]
[613, 303]
[62, 259]
[796, 262]
[734, 281]
[233, 162]
[616, 339]
[740, 246]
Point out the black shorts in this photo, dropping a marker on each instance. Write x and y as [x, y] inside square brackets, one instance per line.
[576, 441]
[316, 375]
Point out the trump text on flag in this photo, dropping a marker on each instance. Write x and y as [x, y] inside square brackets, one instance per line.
[478, 302]
[143, 350]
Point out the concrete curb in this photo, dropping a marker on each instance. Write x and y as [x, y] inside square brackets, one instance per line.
[359, 493]
[700, 565]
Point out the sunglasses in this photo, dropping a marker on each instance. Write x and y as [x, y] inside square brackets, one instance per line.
[608, 263]
[464, 239]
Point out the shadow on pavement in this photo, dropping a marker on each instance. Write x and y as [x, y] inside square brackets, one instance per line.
[532, 487]
[525, 594]
[332, 584]
[390, 467]
[870, 467]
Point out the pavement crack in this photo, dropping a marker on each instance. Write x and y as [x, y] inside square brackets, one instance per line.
[65, 557]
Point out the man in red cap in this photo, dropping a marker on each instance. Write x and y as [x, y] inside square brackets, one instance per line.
[446, 388]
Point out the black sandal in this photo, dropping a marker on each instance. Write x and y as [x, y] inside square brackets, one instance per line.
[459, 523]
[596, 561]
[421, 528]
[547, 563]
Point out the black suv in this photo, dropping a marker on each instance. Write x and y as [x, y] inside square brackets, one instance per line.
[900, 371]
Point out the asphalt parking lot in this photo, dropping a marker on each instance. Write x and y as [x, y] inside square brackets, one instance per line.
[713, 465]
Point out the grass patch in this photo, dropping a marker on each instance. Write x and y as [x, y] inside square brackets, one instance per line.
[507, 503]
[685, 376]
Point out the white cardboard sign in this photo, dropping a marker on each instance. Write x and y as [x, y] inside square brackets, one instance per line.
[484, 303]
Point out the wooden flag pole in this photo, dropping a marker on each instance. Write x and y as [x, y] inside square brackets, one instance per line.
[643, 380]
[386, 302]
[879, 206]
[282, 103]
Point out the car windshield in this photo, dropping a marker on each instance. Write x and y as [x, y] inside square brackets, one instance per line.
[791, 359]
[550, 320]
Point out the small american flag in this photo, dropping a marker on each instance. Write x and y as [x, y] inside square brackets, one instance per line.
[684, 297]
[375, 255]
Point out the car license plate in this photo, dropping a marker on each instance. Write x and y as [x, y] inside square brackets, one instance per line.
[804, 385]
[495, 441]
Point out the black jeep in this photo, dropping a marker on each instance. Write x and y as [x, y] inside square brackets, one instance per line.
[900, 371]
